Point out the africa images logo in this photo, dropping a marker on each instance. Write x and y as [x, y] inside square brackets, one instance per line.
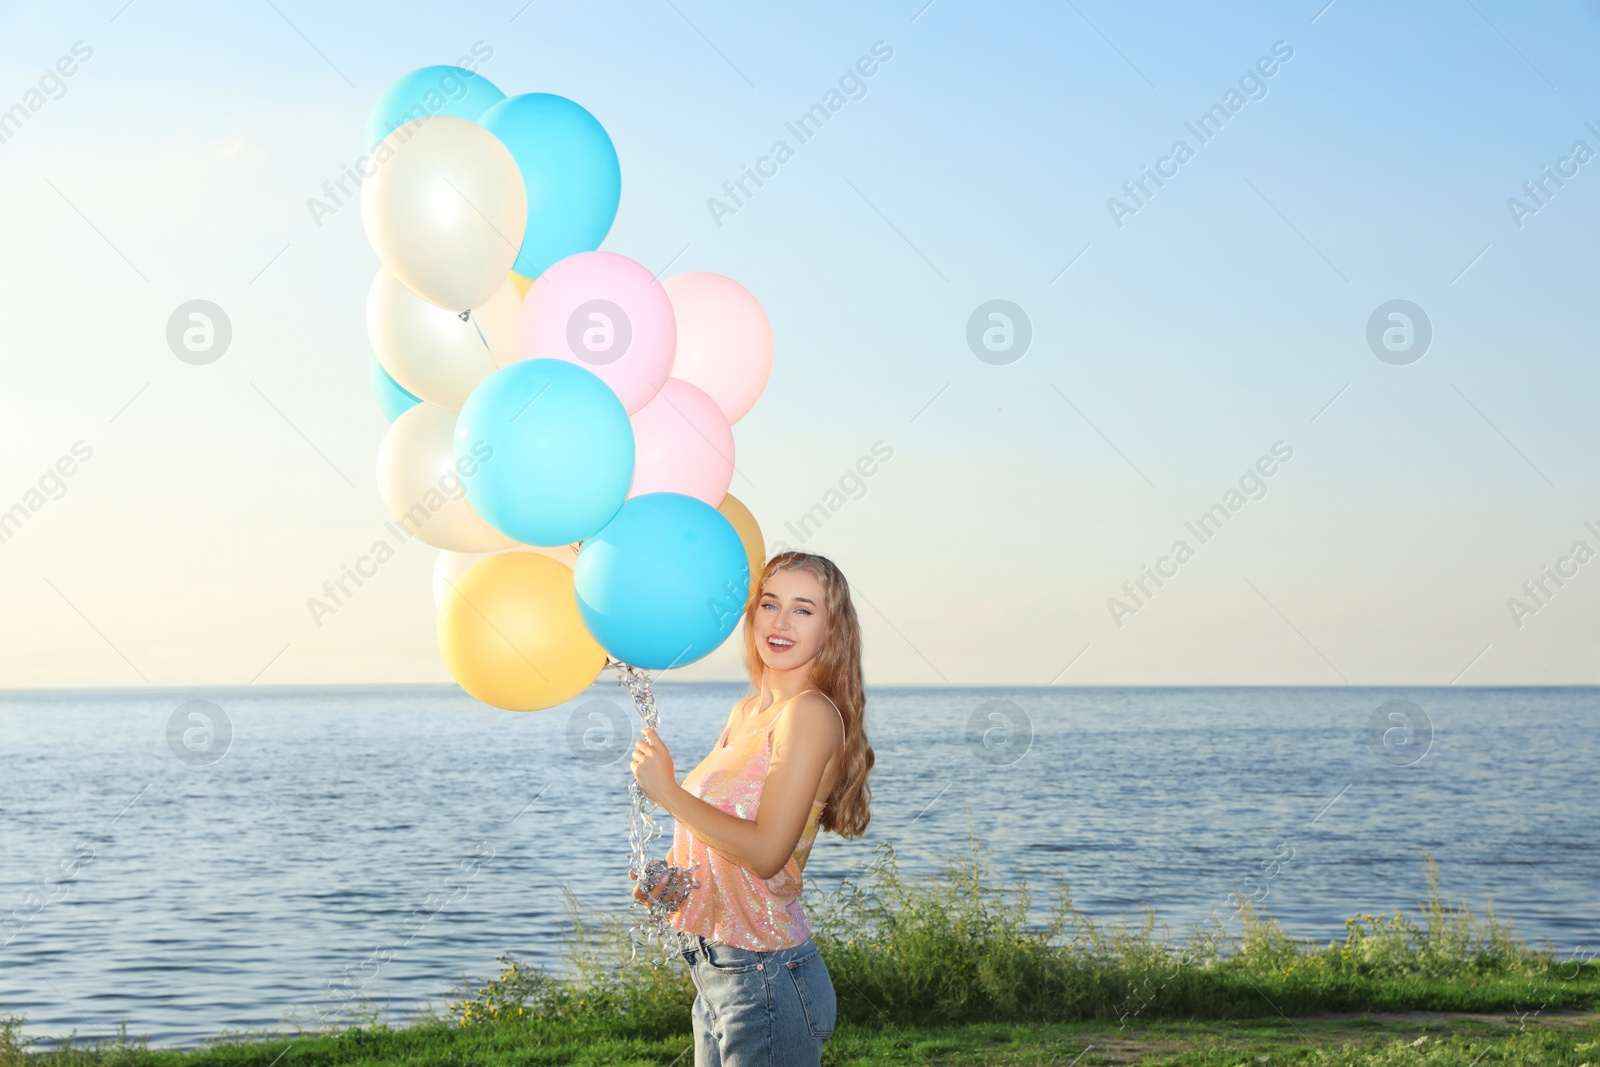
[1252, 85]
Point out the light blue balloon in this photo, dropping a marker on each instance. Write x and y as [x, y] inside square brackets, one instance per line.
[569, 167]
[545, 451]
[664, 583]
[438, 90]
[393, 398]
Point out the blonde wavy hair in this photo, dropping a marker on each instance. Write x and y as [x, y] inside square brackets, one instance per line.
[837, 673]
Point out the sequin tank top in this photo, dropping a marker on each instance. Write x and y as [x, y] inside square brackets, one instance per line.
[732, 904]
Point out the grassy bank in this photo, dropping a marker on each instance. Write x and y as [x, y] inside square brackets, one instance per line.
[1549, 1040]
[947, 970]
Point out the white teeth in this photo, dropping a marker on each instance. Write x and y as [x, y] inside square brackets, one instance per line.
[780, 642]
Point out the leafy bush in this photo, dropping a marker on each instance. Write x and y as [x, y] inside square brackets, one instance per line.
[958, 948]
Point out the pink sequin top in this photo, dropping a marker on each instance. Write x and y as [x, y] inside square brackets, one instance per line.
[732, 904]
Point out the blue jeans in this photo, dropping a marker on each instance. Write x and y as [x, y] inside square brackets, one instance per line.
[770, 1008]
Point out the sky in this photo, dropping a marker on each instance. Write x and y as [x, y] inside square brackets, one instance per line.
[1184, 337]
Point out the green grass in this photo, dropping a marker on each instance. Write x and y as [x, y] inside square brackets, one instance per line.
[947, 970]
[1572, 1041]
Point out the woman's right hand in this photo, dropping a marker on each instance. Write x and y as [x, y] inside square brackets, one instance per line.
[638, 890]
[639, 894]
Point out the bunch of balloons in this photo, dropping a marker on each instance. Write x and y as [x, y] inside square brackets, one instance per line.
[561, 421]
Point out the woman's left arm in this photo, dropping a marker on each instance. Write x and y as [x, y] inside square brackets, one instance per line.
[802, 743]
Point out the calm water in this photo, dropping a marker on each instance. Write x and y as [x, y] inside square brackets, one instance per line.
[185, 897]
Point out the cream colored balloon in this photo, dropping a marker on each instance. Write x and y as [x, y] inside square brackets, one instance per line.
[445, 209]
[432, 351]
[452, 565]
[422, 488]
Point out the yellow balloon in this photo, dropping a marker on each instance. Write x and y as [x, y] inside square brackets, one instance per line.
[511, 635]
[744, 523]
[450, 566]
[522, 284]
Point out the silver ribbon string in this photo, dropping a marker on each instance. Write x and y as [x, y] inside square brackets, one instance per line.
[467, 316]
[674, 882]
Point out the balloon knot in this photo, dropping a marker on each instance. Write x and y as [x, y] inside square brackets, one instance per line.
[465, 315]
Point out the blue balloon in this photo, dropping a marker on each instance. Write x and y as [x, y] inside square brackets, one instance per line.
[569, 167]
[438, 90]
[664, 583]
[393, 398]
[545, 451]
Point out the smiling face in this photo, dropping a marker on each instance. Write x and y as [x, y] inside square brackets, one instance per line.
[791, 619]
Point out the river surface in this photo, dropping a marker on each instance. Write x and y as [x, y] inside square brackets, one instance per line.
[191, 875]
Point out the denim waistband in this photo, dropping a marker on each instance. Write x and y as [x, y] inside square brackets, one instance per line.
[688, 942]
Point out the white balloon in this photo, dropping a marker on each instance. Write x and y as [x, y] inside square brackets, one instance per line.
[431, 350]
[450, 566]
[421, 486]
[445, 209]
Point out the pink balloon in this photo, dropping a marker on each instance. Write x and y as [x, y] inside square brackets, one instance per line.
[682, 443]
[607, 314]
[724, 340]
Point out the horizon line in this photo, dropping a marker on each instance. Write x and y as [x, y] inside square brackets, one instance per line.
[283, 686]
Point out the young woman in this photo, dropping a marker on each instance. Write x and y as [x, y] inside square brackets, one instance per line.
[794, 759]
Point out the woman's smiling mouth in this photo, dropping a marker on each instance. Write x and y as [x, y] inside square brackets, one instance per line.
[779, 644]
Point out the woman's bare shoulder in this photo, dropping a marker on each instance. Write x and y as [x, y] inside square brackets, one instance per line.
[818, 712]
